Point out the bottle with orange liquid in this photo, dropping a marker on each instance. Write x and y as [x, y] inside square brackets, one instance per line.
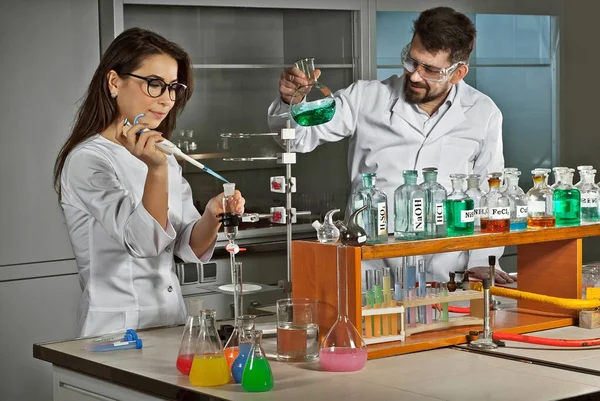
[209, 367]
[244, 323]
[539, 201]
[496, 217]
[189, 338]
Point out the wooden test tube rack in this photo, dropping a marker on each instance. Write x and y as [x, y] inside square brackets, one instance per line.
[548, 260]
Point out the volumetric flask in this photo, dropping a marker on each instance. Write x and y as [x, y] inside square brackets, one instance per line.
[297, 330]
[316, 104]
[209, 367]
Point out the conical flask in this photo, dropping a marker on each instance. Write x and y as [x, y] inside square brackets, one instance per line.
[312, 104]
[257, 375]
[343, 348]
[185, 357]
[245, 329]
[351, 233]
[209, 367]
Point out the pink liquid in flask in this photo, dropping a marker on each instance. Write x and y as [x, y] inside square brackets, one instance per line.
[184, 363]
[343, 359]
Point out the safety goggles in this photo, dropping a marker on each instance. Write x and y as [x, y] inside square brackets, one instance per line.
[427, 72]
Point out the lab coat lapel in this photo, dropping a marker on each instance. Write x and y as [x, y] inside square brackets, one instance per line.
[454, 116]
[405, 110]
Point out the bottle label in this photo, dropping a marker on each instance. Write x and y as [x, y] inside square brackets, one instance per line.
[361, 239]
[522, 212]
[589, 200]
[484, 212]
[480, 211]
[439, 214]
[418, 223]
[467, 216]
[382, 218]
[499, 213]
[536, 206]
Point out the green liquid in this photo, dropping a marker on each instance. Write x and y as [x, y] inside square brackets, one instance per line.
[567, 204]
[257, 375]
[454, 211]
[590, 214]
[310, 115]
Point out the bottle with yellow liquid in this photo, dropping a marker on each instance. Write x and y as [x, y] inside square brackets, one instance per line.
[209, 367]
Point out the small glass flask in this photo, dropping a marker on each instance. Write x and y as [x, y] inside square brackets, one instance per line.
[209, 367]
[343, 348]
[185, 356]
[327, 233]
[518, 201]
[246, 328]
[314, 103]
[590, 192]
[459, 208]
[374, 218]
[539, 201]
[497, 208]
[476, 194]
[435, 196]
[451, 284]
[257, 376]
[352, 234]
[231, 350]
[409, 207]
[566, 200]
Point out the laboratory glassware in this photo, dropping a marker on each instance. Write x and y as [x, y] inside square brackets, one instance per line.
[115, 345]
[127, 335]
[297, 330]
[451, 285]
[187, 347]
[580, 169]
[246, 328]
[566, 201]
[399, 283]
[539, 201]
[444, 293]
[422, 290]
[475, 194]
[409, 206]
[374, 218]
[257, 375]
[318, 104]
[327, 233]
[343, 348]
[497, 208]
[557, 171]
[351, 233]
[590, 192]
[506, 171]
[209, 367]
[459, 208]
[518, 201]
[435, 196]
[243, 325]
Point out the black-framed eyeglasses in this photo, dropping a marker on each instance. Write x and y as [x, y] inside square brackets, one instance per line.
[156, 87]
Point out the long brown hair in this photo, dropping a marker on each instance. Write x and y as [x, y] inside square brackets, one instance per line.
[99, 110]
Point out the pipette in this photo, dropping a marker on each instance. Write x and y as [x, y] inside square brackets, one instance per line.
[170, 148]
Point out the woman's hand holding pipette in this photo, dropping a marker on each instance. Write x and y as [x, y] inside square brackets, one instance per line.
[215, 205]
[141, 146]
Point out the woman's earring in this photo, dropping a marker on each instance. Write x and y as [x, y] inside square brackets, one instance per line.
[113, 95]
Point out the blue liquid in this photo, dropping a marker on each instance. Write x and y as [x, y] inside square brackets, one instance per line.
[398, 291]
[521, 225]
[237, 369]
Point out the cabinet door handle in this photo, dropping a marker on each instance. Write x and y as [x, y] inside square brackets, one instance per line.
[86, 392]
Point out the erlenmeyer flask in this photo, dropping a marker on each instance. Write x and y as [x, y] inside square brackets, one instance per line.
[246, 328]
[209, 367]
[343, 349]
[232, 347]
[185, 357]
[317, 104]
[352, 234]
[257, 371]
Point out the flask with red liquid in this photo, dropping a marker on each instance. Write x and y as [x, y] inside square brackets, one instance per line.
[189, 337]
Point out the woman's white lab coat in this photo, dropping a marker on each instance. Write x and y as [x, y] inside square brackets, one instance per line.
[388, 135]
[125, 257]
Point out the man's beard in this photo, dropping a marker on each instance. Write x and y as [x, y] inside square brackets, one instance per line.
[412, 97]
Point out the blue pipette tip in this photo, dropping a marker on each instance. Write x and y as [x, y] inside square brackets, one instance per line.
[216, 175]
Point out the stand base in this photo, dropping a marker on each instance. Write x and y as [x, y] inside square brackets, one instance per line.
[483, 344]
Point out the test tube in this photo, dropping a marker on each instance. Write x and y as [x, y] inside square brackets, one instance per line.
[378, 300]
[422, 288]
[115, 346]
[370, 283]
[410, 278]
[387, 286]
[429, 308]
[412, 319]
[444, 293]
[398, 281]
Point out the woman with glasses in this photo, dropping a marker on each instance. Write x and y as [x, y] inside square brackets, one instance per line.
[426, 117]
[127, 207]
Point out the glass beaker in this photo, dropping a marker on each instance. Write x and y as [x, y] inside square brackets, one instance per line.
[232, 347]
[297, 330]
[257, 375]
[185, 356]
[317, 104]
[343, 348]
[245, 330]
[209, 367]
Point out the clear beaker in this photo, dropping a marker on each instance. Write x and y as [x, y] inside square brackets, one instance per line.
[187, 348]
[209, 367]
[257, 375]
[297, 330]
[245, 329]
[317, 104]
[343, 348]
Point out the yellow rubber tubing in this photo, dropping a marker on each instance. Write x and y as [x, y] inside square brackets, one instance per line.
[565, 303]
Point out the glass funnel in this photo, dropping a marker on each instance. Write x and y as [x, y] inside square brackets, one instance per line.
[243, 324]
[209, 367]
[317, 104]
[343, 348]
[257, 375]
[185, 356]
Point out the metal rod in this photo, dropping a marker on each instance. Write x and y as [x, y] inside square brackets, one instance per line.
[261, 66]
[486, 313]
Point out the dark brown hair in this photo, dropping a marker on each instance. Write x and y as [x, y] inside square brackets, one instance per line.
[443, 29]
[98, 110]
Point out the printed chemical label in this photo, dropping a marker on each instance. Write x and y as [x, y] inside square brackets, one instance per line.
[536, 206]
[522, 212]
[467, 216]
[499, 213]
[418, 221]
[589, 200]
[439, 214]
[382, 218]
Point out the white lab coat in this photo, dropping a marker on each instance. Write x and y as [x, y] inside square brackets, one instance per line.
[125, 257]
[387, 136]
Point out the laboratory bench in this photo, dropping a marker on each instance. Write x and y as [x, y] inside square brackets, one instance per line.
[455, 373]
